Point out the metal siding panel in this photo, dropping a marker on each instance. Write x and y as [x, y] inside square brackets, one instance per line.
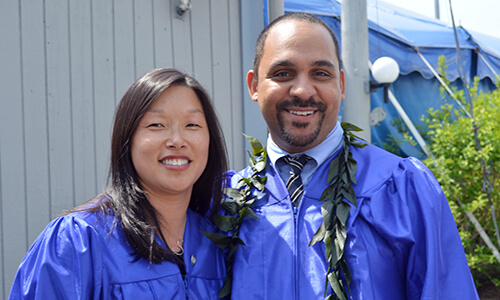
[124, 56]
[104, 81]
[202, 44]
[82, 115]
[236, 87]
[74, 68]
[163, 34]
[221, 67]
[252, 22]
[59, 107]
[13, 186]
[144, 43]
[35, 118]
[181, 39]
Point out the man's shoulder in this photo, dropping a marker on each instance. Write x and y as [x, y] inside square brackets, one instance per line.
[376, 166]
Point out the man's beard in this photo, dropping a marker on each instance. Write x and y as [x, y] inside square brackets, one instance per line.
[300, 140]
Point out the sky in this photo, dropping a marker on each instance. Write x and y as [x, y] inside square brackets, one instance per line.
[475, 15]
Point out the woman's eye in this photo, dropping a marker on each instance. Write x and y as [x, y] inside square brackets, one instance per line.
[155, 125]
[192, 125]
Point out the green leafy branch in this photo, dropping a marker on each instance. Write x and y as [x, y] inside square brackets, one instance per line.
[238, 205]
[335, 210]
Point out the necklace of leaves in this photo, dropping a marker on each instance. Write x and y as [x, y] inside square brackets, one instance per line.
[337, 197]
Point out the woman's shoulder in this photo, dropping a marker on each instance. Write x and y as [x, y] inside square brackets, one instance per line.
[81, 225]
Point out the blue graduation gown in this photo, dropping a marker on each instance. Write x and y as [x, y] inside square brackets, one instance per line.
[402, 241]
[81, 256]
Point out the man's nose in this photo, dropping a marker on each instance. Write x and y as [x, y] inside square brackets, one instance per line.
[303, 87]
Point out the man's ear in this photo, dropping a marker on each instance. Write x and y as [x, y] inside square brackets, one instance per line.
[342, 84]
[252, 83]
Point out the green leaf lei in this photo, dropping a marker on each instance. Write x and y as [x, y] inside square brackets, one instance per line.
[335, 210]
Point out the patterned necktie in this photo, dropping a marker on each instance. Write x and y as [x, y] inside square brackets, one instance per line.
[294, 183]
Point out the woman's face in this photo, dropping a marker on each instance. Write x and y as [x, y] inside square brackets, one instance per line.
[170, 145]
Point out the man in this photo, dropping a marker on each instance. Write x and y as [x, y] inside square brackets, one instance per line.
[402, 242]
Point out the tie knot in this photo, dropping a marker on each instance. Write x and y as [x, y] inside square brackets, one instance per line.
[297, 162]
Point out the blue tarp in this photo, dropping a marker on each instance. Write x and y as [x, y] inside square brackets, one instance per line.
[399, 33]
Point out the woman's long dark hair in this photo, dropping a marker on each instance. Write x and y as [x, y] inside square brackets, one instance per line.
[125, 196]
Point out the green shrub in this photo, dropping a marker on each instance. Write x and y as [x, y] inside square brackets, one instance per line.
[466, 174]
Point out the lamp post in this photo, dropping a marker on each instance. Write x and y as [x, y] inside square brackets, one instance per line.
[354, 30]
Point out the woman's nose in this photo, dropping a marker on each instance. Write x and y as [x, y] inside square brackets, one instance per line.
[175, 140]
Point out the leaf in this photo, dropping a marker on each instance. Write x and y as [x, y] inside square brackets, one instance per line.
[346, 126]
[244, 182]
[326, 195]
[347, 273]
[226, 287]
[225, 223]
[256, 145]
[358, 144]
[260, 166]
[251, 160]
[342, 213]
[238, 241]
[334, 282]
[341, 235]
[230, 205]
[236, 194]
[327, 209]
[249, 203]
[334, 169]
[257, 183]
[248, 212]
[352, 166]
[348, 196]
[233, 250]
[260, 182]
[319, 235]
[221, 240]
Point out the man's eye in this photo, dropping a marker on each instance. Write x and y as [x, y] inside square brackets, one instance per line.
[280, 75]
[321, 73]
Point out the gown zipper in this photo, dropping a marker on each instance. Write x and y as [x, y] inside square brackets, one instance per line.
[296, 256]
[185, 279]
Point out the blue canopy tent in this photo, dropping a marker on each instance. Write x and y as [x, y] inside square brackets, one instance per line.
[415, 42]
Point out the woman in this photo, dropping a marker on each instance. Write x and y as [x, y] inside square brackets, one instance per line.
[141, 238]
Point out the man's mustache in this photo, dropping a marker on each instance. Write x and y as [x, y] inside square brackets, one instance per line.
[297, 102]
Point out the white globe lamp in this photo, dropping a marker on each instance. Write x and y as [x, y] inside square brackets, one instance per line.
[385, 71]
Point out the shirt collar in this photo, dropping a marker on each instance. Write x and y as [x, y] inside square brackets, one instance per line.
[320, 153]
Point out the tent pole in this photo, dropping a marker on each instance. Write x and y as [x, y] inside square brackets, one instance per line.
[436, 9]
[487, 64]
[443, 83]
[411, 126]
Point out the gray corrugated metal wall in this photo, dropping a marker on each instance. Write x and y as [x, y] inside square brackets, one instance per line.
[64, 65]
